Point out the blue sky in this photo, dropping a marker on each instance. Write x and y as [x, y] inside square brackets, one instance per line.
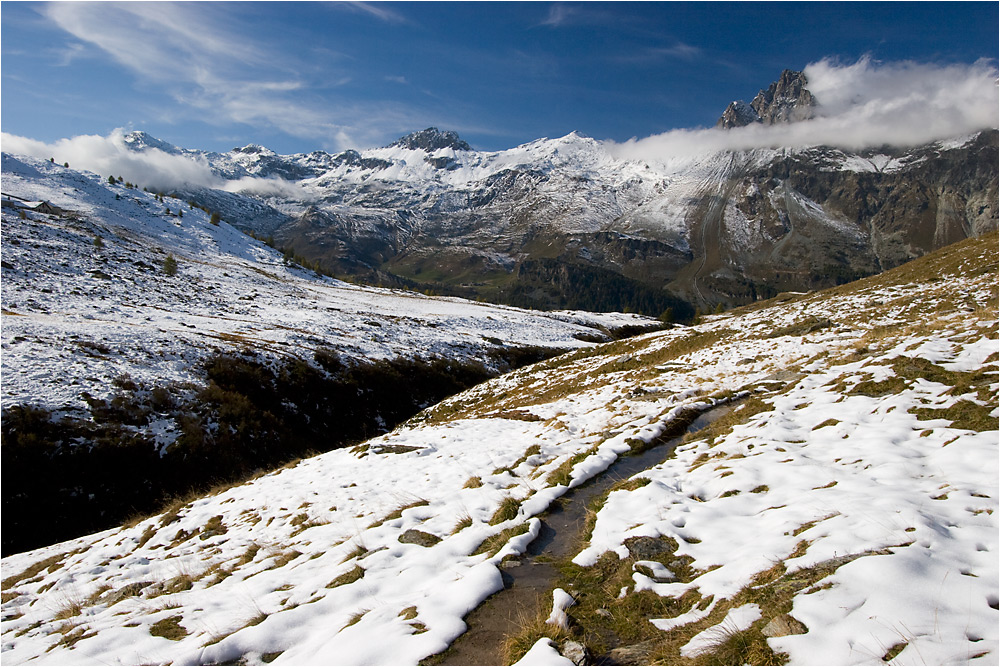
[303, 76]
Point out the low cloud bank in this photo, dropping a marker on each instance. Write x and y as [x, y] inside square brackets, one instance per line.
[867, 104]
[151, 167]
[863, 105]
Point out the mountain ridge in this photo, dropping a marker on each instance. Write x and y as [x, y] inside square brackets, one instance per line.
[726, 227]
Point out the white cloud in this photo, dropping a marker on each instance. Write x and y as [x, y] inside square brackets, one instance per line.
[861, 105]
[151, 167]
[184, 48]
[111, 156]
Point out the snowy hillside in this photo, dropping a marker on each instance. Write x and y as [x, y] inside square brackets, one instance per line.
[712, 225]
[148, 352]
[686, 220]
[85, 296]
[843, 512]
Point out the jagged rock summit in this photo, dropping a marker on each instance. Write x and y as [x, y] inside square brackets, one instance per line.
[430, 140]
[786, 100]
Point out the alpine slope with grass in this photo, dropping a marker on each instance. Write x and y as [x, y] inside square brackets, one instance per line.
[844, 511]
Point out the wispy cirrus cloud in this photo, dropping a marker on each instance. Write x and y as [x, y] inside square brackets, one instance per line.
[70, 53]
[377, 10]
[559, 14]
[223, 76]
[652, 54]
[678, 50]
[562, 14]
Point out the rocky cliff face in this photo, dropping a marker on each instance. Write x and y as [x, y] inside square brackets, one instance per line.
[432, 139]
[786, 100]
[804, 221]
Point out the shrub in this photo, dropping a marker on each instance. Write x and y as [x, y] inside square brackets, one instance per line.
[170, 264]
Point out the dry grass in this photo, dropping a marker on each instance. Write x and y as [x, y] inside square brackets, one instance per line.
[348, 577]
[562, 475]
[356, 618]
[508, 509]
[398, 513]
[359, 551]
[50, 565]
[893, 651]
[464, 521]
[70, 609]
[71, 634]
[492, 544]
[530, 630]
[169, 628]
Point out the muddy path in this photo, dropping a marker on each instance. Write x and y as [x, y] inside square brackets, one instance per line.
[529, 581]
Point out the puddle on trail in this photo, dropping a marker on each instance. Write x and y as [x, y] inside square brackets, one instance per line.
[528, 583]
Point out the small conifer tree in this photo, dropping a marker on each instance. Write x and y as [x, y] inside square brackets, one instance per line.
[111, 180]
[215, 219]
[170, 266]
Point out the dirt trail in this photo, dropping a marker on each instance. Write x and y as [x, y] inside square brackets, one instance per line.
[528, 583]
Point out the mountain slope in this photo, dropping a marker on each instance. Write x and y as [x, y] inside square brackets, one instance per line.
[697, 230]
[128, 384]
[858, 476]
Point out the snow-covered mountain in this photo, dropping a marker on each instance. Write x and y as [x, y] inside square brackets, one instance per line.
[530, 224]
[844, 511]
[251, 462]
[103, 344]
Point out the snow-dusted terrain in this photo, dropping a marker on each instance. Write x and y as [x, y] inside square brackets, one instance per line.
[711, 225]
[86, 299]
[857, 484]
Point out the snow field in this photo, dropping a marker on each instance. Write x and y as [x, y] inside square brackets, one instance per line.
[823, 476]
[342, 500]
[369, 555]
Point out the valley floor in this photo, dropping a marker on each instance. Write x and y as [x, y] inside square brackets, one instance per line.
[845, 512]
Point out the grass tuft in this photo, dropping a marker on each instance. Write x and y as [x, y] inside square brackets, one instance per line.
[507, 511]
[169, 628]
[530, 630]
[492, 544]
[348, 577]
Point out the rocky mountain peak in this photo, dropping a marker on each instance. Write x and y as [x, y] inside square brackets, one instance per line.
[253, 149]
[140, 141]
[786, 100]
[737, 114]
[430, 140]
